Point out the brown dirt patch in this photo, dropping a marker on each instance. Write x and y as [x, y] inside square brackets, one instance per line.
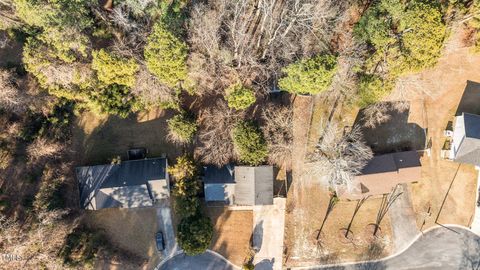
[232, 233]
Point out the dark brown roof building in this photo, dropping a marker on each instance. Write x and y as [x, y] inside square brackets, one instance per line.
[382, 174]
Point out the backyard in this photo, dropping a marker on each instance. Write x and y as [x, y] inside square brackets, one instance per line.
[99, 139]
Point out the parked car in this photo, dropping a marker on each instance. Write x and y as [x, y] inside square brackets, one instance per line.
[478, 200]
[159, 241]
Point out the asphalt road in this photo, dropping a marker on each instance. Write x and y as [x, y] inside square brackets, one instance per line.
[205, 261]
[437, 249]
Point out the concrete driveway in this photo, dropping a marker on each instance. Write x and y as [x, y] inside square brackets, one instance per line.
[403, 220]
[439, 248]
[206, 261]
[269, 224]
[164, 221]
[475, 226]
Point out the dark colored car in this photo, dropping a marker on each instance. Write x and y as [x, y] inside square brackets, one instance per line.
[159, 241]
[478, 200]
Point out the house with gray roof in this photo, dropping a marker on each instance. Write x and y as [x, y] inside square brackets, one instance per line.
[238, 185]
[466, 139]
[130, 184]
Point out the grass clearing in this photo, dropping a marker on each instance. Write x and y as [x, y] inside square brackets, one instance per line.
[99, 139]
[232, 232]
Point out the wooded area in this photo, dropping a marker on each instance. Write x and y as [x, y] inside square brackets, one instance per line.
[217, 65]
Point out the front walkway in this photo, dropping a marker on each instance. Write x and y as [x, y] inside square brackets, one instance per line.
[269, 224]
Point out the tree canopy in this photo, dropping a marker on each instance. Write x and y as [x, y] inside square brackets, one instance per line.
[195, 234]
[112, 69]
[166, 56]
[249, 143]
[240, 97]
[309, 76]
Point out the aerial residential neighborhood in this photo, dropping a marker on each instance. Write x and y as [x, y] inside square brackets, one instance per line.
[240, 134]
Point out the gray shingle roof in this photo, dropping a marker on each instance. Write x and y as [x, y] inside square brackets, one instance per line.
[254, 185]
[134, 174]
[469, 148]
[217, 175]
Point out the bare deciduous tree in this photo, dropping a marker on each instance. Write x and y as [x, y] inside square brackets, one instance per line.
[340, 157]
[42, 148]
[380, 112]
[150, 90]
[8, 17]
[278, 132]
[215, 145]
[258, 37]
[10, 96]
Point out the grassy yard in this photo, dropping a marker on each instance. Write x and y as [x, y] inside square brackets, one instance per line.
[99, 139]
[232, 232]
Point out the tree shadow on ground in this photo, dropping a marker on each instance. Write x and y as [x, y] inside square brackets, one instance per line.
[393, 135]
[115, 136]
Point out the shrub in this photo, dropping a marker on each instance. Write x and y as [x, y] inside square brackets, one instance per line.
[50, 195]
[371, 90]
[185, 168]
[112, 69]
[187, 206]
[195, 234]
[166, 56]
[82, 246]
[181, 128]
[249, 143]
[309, 76]
[186, 186]
[114, 99]
[239, 97]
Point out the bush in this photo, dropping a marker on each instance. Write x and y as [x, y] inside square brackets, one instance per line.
[82, 246]
[249, 143]
[186, 186]
[239, 97]
[166, 56]
[114, 99]
[50, 195]
[195, 234]
[112, 69]
[187, 206]
[181, 128]
[309, 76]
[372, 89]
[185, 168]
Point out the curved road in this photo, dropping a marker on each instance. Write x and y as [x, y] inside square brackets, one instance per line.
[439, 248]
[205, 261]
